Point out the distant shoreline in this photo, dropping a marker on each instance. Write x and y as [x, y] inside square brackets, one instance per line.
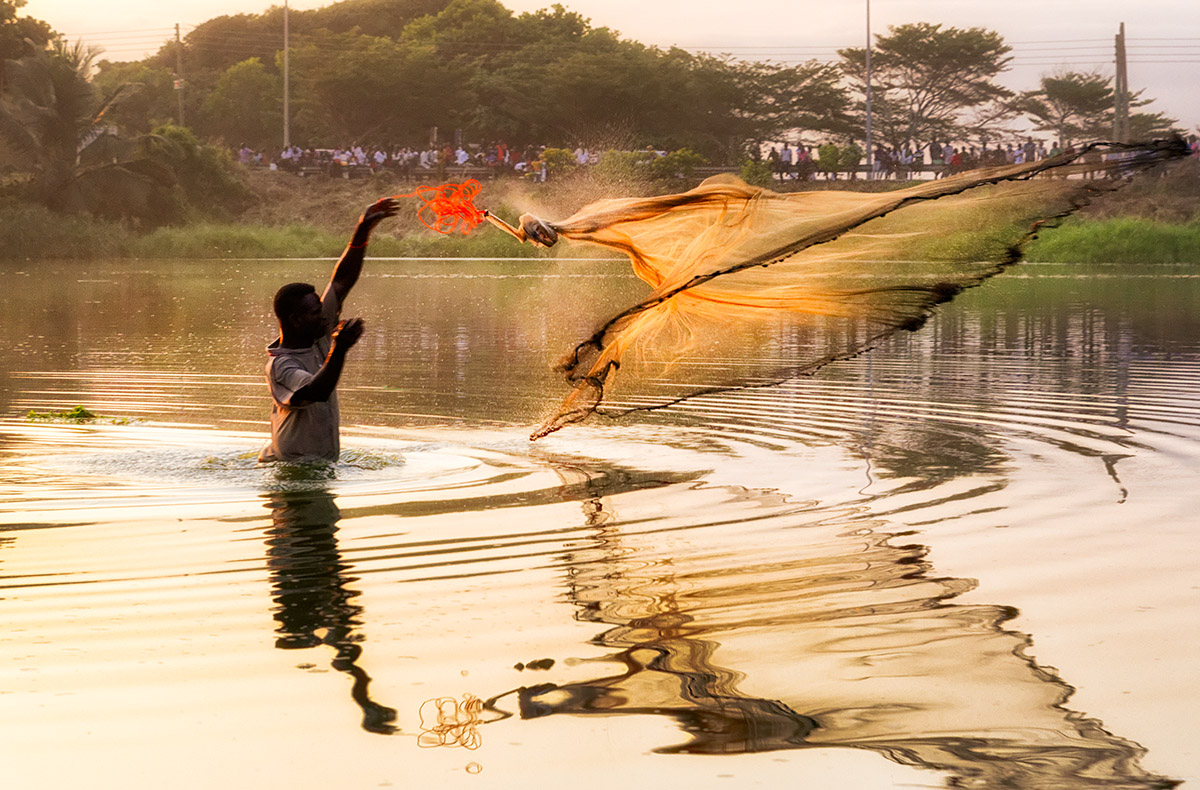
[1154, 220]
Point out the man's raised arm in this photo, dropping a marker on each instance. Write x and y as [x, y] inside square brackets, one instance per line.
[349, 266]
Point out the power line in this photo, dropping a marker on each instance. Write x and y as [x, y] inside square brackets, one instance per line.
[168, 30]
[1077, 52]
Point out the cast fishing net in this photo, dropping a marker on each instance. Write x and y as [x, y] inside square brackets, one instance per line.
[804, 278]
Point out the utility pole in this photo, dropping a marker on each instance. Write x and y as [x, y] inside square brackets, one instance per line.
[1121, 93]
[179, 72]
[870, 152]
[287, 130]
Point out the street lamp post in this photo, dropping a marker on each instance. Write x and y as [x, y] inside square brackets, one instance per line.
[870, 153]
[287, 132]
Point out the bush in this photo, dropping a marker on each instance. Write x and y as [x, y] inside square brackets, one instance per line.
[206, 175]
[828, 158]
[677, 164]
[558, 161]
[33, 231]
[849, 159]
[756, 173]
[634, 166]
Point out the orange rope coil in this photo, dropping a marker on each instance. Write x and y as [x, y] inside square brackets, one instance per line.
[448, 208]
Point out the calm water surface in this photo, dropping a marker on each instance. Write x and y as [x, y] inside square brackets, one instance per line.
[968, 558]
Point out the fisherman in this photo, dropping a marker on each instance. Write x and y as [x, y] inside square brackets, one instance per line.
[305, 363]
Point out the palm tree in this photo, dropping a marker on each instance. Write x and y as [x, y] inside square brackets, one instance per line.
[52, 118]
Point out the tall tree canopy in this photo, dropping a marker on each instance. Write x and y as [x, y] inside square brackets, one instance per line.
[924, 77]
[1071, 105]
[386, 71]
[245, 105]
[1076, 106]
[17, 33]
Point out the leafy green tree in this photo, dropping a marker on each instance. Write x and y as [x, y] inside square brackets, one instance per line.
[1072, 106]
[1151, 125]
[384, 18]
[246, 106]
[589, 85]
[646, 167]
[75, 160]
[374, 90]
[559, 161]
[1076, 106]
[19, 33]
[924, 77]
[223, 41]
[153, 102]
[776, 99]
[676, 164]
[756, 173]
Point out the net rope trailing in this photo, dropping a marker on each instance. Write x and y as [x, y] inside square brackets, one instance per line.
[448, 208]
[807, 278]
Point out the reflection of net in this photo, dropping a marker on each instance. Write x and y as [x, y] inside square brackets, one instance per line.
[449, 207]
[810, 276]
[447, 722]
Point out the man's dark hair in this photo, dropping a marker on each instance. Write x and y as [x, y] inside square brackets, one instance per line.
[288, 299]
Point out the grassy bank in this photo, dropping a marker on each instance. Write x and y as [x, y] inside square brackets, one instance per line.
[34, 233]
[31, 232]
[1118, 240]
[1153, 220]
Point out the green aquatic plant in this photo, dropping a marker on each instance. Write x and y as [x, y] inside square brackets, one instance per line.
[78, 415]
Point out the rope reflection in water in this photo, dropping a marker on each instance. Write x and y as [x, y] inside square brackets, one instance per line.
[447, 722]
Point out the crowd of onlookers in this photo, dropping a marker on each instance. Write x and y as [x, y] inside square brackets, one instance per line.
[786, 162]
[410, 162]
[939, 159]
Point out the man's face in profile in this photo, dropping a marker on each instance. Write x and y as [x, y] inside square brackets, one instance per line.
[306, 321]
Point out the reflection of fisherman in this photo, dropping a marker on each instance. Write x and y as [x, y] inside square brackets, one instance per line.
[305, 363]
[310, 587]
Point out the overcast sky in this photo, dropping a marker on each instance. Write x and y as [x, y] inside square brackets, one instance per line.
[1163, 35]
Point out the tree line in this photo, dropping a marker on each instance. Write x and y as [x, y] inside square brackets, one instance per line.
[390, 72]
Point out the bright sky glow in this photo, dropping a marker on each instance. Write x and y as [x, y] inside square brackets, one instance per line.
[1163, 35]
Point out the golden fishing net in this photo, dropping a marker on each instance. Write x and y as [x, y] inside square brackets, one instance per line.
[803, 278]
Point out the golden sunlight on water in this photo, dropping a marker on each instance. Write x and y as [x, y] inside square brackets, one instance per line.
[966, 559]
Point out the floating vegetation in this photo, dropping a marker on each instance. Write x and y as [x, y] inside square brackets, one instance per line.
[78, 415]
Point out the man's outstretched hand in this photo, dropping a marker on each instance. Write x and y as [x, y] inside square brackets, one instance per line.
[347, 334]
[380, 209]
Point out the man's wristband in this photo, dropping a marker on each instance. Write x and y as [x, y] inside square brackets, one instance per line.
[354, 246]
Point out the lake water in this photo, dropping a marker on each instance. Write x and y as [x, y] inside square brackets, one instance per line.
[968, 558]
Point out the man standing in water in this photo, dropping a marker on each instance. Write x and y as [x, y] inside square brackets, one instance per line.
[305, 363]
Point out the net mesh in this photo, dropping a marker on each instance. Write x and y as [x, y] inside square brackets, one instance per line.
[807, 278]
